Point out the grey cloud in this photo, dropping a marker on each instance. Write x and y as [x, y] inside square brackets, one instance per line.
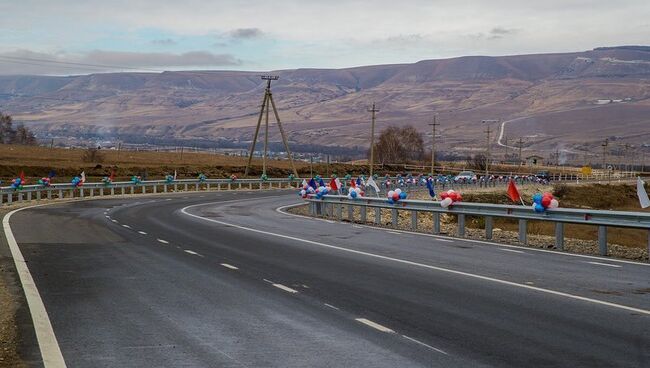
[164, 42]
[98, 61]
[500, 32]
[245, 33]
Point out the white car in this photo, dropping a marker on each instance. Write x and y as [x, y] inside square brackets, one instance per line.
[465, 176]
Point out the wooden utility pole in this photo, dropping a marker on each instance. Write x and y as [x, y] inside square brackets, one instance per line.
[267, 104]
[433, 144]
[506, 144]
[488, 148]
[373, 110]
[521, 145]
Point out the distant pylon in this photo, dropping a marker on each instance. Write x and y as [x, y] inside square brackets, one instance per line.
[266, 102]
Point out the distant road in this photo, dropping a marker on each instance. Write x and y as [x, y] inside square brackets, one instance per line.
[225, 280]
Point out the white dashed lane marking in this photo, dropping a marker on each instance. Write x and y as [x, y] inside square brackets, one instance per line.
[425, 345]
[374, 325]
[331, 306]
[126, 226]
[163, 241]
[226, 265]
[142, 233]
[192, 252]
[285, 288]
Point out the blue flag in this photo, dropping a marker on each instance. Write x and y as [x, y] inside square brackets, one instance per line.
[312, 183]
[321, 183]
[432, 192]
[359, 181]
[51, 174]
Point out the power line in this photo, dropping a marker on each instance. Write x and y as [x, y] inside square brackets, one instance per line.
[70, 63]
[89, 101]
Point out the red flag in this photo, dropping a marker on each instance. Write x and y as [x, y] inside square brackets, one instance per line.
[112, 177]
[353, 184]
[333, 184]
[513, 192]
[22, 177]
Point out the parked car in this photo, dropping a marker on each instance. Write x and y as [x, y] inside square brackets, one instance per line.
[543, 175]
[465, 176]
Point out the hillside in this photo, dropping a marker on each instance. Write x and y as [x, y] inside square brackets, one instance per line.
[557, 101]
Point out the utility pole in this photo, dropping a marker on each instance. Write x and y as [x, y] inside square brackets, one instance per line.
[521, 144]
[488, 150]
[268, 103]
[373, 110]
[433, 144]
[506, 144]
[605, 168]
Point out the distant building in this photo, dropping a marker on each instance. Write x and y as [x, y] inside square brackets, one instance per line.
[534, 160]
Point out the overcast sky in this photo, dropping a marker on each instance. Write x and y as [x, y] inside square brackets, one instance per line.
[283, 34]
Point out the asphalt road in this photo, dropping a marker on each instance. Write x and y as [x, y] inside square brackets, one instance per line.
[224, 280]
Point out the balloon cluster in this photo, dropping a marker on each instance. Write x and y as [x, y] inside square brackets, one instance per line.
[347, 177]
[306, 190]
[541, 202]
[77, 182]
[202, 178]
[449, 197]
[354, 192]
[107, 180]
[321, 191]
[395, 195]
[233, 177]
[17, 184]
[45, 182]
[264, 177]
[136, 179]
[169, 179]
[291, 178]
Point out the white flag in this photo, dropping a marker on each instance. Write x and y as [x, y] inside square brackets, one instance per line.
[304, 183]
[174, 174]
[339, 187]
[371, 182]
[83, 177]
[642, 194]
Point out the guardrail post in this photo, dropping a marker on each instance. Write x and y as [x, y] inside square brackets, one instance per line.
[71, 193]
[132, 189]
[602, 240]
[92, 192]
[489, 224]
[185, 187]
[559, 235]
[461, 225]
[436, 223]
[196, 187]
[394, 216]
[207, 187]
[377, 215]
[362, 213]
[29, 196]
[523, 231]
[165, 188]
[339, 211]
[38, 195]
[10, 198]
[49, 194]
[350, 213]
[60, 193]
[414, 220]
[1, 197]
[123, 191]
[155, 188]
[250, 186]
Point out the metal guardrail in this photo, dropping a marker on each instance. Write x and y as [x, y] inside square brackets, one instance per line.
[332, 206]
[9, 195]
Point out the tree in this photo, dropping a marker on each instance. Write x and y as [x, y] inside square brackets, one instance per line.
[476, 162]
[397, 145]
[9, 135]
[92, 154]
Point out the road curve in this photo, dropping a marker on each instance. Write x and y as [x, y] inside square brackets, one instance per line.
[225, 280]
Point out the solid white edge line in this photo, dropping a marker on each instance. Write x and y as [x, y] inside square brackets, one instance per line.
[163, 241]
[412, 263]
[226, 265]
[510, 250]
[452, 239]
[47, 342]
[285, 288]
[604, 264]
[426, 345]
[374, 325]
